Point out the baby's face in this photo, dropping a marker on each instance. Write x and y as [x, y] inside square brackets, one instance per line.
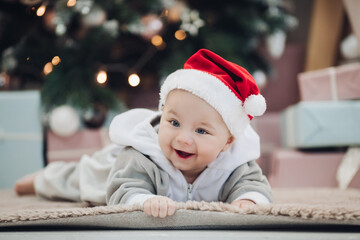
[192, 133]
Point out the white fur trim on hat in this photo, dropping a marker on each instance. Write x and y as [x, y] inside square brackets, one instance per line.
[214, 92]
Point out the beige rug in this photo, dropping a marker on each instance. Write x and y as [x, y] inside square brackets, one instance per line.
[292, 208]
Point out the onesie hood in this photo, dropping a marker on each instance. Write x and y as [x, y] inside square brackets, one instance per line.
[135, 128]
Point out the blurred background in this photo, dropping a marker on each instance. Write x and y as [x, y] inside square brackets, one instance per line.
[68, 66]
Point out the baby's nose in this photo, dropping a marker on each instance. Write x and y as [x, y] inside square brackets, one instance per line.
[184, 138]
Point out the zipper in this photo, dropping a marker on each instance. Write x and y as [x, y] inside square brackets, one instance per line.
[189, 192]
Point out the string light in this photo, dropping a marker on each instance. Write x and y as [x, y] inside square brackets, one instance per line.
[101, 77]
[71, 3]
[157, 40]
[134, 80]
[48, 68]
[56, 60]
[165, 13]
[180, 35]
[41, 10]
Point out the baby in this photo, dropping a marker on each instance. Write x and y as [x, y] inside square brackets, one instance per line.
[199, 147]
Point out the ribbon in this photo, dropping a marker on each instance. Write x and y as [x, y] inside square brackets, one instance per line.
[348, 167]
[66, 154]
[20, 136]
[333, 86]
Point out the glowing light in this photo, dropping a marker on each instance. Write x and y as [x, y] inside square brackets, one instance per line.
[48, 68]
[71, 3]
[165, 13]
[157, 40]
[56, 60]
[41, 10]
[101, 77]
[180, 35]
[134, 80]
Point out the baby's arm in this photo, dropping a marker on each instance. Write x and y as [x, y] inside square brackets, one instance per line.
[246, 185]
[135, 179]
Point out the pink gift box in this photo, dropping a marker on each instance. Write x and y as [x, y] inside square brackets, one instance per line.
[292, 168]
[268, 128]
[335, 83]
[85, 141]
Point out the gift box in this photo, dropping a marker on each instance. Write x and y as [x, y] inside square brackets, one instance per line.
[321, 124]
[268, 128]
[293, 168]
[335, 83]
[84, 141]
[21, 135]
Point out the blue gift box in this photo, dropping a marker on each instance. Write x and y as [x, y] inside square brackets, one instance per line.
[321, 124]
[21, 135]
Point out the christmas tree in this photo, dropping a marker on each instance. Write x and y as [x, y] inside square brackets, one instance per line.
[83, 52]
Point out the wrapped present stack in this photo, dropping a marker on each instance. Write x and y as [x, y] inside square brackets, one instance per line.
[27, 144]
[68, 138]
[321, 133]
[21, 136]
[268, 128]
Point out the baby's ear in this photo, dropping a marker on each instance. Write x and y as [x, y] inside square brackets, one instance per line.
[229, 142]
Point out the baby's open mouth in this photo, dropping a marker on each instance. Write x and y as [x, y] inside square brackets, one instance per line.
[183, 154]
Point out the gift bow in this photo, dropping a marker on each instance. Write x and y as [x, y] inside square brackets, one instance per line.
[348, 167]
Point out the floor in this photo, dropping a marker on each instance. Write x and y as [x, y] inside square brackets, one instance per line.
[175, 235]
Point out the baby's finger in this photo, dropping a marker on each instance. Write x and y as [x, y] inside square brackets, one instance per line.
[147, 207]
[155, 207]
[163, 207]
[171, 208]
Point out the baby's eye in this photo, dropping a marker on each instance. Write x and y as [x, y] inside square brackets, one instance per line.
[175, 123]
[201, 131]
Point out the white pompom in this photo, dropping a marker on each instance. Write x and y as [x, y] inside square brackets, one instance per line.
[64, 121]
[255, 105]
[349, 47]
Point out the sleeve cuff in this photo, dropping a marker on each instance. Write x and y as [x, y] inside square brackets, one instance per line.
[139, 199]
[257, 197]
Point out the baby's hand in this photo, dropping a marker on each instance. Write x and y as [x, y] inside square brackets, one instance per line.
[159, 206]
[243, 203]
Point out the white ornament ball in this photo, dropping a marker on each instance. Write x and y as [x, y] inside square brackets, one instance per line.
[64, 121]
[95, 17]
[275, 43]
[349, 47]
[260, 78]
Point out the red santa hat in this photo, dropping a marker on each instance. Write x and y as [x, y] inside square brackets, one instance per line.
[226, 86]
